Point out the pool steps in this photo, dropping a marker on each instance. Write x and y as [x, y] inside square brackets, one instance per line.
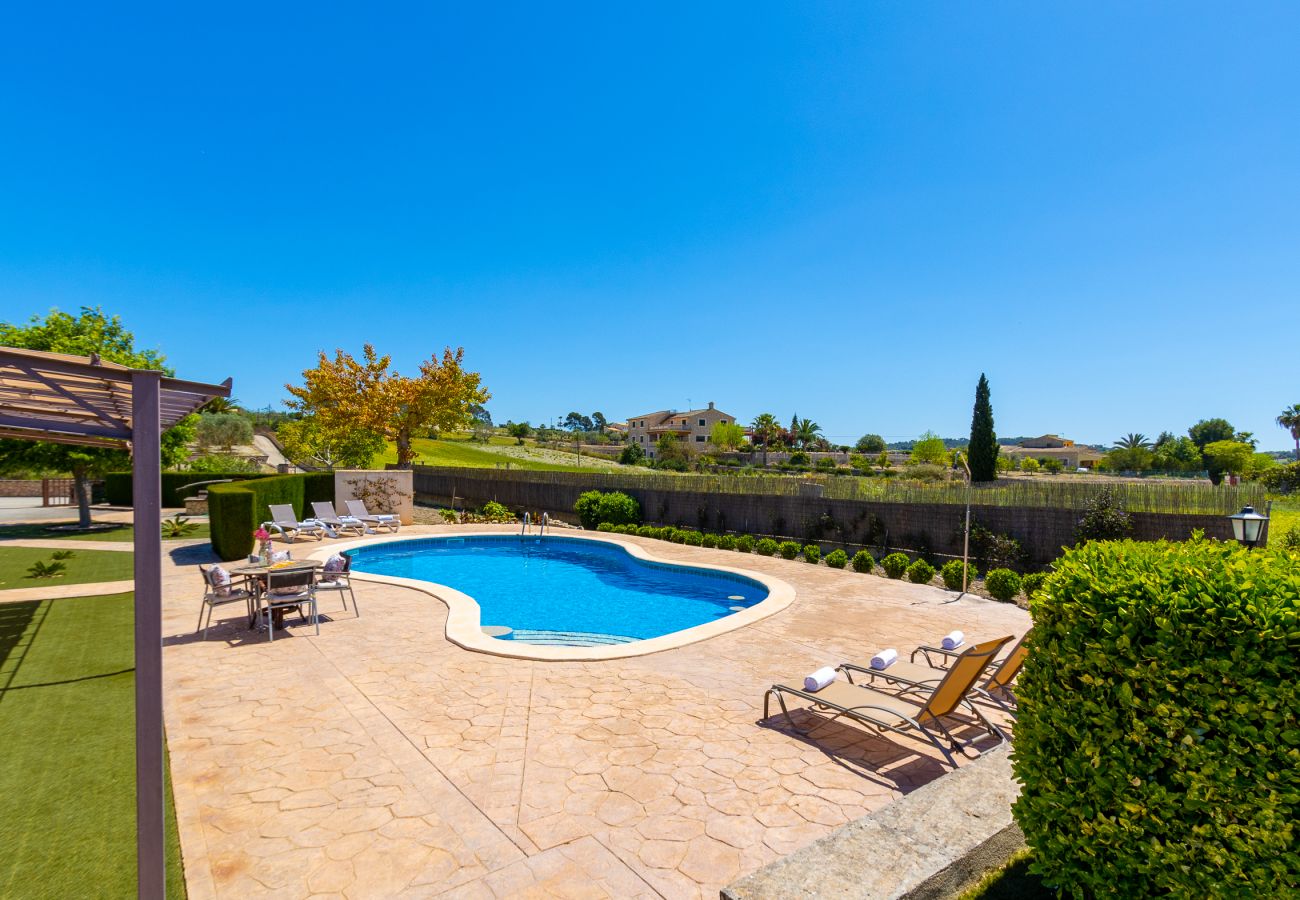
[568, 638]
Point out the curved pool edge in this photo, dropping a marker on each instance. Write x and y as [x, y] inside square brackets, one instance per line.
[464, 626]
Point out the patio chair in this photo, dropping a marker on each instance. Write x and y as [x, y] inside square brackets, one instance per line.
[323, 512]
[286, 524]
[913, 712]
[219, 594]
[290, 588]
[339, 580]
[928, 676]
[357, 509]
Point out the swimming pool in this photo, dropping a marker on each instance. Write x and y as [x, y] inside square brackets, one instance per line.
[563, 591]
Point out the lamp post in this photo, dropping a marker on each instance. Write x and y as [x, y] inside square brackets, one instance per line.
[1247, 526]
[965, 548]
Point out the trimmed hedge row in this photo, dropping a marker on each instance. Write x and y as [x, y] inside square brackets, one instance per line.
[118, 486]
[235, 510]
[1157, 739]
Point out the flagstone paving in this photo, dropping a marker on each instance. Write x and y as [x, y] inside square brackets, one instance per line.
[378, 759]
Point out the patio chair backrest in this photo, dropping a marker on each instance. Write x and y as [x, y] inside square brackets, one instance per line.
[282, 512]
[323, 509]
[293, 578]
[1009, 668]
[961, 677]
[357, 509]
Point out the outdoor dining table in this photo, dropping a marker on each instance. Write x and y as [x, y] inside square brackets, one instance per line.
[256, 574]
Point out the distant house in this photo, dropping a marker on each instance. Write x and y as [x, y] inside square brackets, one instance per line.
[618, 429]
[693, 427]
[1051, 446]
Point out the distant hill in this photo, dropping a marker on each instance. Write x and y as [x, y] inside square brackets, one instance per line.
[950, 443]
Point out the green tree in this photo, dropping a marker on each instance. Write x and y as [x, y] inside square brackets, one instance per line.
[672, 454]
[1228, 457]
[982, 454]
[1209, 431]
[307, 443]
[1177, 454]
[1133, 441]
[930, 448]
[806, 432]
[519, 431]
[576, 421]
[88, 332]
[1290, 420]
[599, 422]
[765, 429]
[223, 430]
[726, 435]
[870, 443]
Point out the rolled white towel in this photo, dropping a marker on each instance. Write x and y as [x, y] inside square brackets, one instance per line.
[884, 659]
[819, 679]
[953, 639]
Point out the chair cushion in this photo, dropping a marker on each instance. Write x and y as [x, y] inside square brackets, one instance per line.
[280, 556]
[333, 566]
[219, 578]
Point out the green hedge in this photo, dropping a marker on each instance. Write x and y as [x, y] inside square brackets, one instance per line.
[235, 510]
[1157, 739]
[118, 485]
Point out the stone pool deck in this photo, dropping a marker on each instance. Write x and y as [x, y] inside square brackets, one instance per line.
[379, 759]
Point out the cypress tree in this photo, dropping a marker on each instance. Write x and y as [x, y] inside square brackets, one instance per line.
[983, 451]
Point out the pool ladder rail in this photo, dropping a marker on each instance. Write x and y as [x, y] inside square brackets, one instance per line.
[526, 527]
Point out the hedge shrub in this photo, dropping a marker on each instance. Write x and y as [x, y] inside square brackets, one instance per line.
[677, 535]
[745, 544]
[727, 542]
[812, 553]
[951, 574]
[1003, 584]
[710, 541]
[1156, 739]
[837, 559]
[236, 509]
[895, 564]
[647, 531]
[920, 572]
[1032, 583]
[766, 547]
[788, 549]
[693, 539]
[119, 485]
[863, 561]
[617, 508]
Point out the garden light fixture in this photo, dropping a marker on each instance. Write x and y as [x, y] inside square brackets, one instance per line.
[1247, 526]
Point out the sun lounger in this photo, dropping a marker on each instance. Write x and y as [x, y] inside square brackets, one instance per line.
[357, 510]
[994, 689]
[323, 512]
[914, 711]
[287, 525]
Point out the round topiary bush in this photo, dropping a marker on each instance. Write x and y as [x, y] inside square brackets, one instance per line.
[727, 542]
[951, 574]
[863, 561]
[837, 559]
[647, 531]
[765, 547]
[710, 541]
[920, 572]
[677, 535]
[617, 508]
[1156, 737]
[812, 553]
[1003, 584]
[789, 549]
[895, 564]
[605, 526]
[744, 543]
[693, 539]
[1032, 583]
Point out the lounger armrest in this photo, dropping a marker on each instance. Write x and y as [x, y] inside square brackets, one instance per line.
[925, 650]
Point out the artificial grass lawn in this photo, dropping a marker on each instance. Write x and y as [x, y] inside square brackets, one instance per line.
[67, 729]
[83, 567]
[117, 533]
[452, 452]
[1284, 515]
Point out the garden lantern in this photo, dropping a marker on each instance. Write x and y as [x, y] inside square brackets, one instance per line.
[1247, 526]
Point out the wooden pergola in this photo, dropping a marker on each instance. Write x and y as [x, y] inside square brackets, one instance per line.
[87, 401]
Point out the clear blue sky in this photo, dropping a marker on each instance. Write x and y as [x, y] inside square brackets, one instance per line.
[848, 210]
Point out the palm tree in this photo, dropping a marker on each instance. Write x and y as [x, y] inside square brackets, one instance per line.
[1290, 420]
[1133, 441]
[765, 428]
[806, 431]
[221, 405]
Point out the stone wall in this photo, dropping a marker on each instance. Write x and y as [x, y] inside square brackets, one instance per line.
[934, 529]
[18, 488]
[387, 491]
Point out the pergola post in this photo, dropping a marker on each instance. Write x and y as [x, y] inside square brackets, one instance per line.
[146, 479]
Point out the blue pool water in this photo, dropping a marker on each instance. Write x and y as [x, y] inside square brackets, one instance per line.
[566, 591]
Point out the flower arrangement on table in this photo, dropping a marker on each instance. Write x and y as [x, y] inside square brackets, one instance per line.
[263, 537]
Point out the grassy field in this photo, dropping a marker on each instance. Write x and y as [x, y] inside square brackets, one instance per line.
[1284, 515]
[67, 786]
[84, 567]
[116, 533]
[460, 452]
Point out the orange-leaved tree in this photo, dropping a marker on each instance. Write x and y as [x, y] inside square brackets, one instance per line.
[344, 395]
